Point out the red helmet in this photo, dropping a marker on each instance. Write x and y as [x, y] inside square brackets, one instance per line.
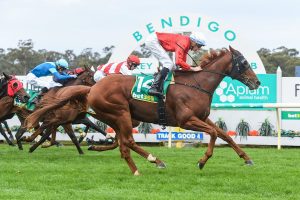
[134, 59]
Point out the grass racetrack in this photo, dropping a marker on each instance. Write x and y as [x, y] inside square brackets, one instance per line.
[61, 173]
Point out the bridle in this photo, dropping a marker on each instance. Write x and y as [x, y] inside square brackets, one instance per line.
[83, 80]
[239, 66]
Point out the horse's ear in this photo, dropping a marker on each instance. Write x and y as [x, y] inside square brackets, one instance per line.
[6, 76]
[231, 49]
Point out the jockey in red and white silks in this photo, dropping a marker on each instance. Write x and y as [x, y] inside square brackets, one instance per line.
[161, 43]
[117, 68]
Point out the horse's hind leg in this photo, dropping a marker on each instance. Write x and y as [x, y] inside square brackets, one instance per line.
[229, 140]
[132, 145]
[70, 132]
[196, 124]
[127, 140]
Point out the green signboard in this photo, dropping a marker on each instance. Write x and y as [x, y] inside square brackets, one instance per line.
[232, 91]
[290, 115]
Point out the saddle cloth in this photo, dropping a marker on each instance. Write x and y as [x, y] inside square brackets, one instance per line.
[142, 85]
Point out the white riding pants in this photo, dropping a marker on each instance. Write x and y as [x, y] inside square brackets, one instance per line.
[99, 75]
[41, 82]
[153, 45]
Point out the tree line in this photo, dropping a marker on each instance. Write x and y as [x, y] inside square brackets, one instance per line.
[23, 58]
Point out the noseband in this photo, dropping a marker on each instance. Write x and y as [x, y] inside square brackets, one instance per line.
[239, 66]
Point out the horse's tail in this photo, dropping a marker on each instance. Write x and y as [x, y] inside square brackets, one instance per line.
[64, 96]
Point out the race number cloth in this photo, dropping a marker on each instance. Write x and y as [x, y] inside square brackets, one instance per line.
[142, 85]
[33, 94]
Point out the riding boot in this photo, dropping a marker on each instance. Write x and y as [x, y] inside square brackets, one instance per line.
[40, 95]
[157, 85]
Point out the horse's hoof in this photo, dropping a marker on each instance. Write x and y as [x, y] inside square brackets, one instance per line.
[161, 165]
[249, 162]
[11, 144]
[46, 144]
[59, 145]
[136, 173]
[30, 150]
[91, 147]
[201, 165]
[20, 147]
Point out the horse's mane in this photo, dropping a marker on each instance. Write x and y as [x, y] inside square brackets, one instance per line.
[212, 55]
[3, 83]
[207, 58]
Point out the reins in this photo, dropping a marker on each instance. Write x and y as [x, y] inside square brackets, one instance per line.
[198, 86]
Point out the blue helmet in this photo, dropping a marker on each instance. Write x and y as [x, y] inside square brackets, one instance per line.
[62, 63]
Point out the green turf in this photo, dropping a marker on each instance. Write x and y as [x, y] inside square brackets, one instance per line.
[60, 173]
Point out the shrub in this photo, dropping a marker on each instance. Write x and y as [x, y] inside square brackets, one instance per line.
[266, 128]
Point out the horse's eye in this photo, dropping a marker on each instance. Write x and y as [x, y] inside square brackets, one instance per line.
[245, 62]
[15, 85]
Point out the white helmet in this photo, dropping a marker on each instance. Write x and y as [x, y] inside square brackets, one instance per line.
[198, 38]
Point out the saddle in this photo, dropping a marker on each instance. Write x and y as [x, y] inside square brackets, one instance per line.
[140, 92]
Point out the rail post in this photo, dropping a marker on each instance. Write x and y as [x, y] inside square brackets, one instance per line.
[278, 110]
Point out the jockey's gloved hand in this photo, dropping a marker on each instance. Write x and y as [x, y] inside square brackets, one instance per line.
[73, 76]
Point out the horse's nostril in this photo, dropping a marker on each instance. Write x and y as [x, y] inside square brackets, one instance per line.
[257, 82]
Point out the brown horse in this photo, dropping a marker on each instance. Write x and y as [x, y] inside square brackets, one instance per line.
[65, 116]
[187, 103]
[10, 89]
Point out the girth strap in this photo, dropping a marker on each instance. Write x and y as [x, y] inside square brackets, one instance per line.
[161, 110]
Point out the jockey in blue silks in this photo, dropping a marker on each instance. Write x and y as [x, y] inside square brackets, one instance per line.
[55, 69]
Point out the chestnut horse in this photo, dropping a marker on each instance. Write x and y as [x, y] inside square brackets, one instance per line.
[65, 116]
[187, 104]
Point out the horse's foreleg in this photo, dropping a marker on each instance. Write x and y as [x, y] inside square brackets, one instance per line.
[36, 133]
[89, 124]
[11, 137]
[105, 148]
[18, 135]
[229, 140]
[196, 124]
[2, 131]
[70, 132]
[43, 139]
[51, 141]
